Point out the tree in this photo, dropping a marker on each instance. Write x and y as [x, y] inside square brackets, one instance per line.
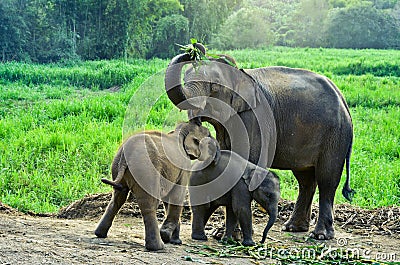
[53, 30]
[206, 16]
[246, 28]
[279, 16]
[396, 11]
[12, 27]
[145, 15]
[307, 23]
[362, 26]
[385, 4]
[115, 27]
[169, 31]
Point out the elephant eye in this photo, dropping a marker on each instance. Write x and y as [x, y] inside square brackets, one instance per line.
[196, 141]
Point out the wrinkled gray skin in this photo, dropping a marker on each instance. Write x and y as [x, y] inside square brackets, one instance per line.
[314, 129]
[150, 157]
[252, 182]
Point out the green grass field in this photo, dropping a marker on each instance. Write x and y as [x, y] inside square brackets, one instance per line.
[60, 125]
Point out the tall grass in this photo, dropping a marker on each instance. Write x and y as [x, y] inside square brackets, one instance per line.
[60, 125]
[59, 131]
[381, 63]
[92, 74]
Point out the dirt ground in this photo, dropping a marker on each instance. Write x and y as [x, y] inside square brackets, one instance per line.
[67, 237]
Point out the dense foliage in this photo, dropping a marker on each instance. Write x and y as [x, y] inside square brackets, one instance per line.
[61, 124]
[54, 30]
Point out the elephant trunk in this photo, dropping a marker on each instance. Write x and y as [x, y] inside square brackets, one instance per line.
[273, 213]
[173, 84]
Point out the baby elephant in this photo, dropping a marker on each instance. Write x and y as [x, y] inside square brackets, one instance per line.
[154, 166]
[223, 178]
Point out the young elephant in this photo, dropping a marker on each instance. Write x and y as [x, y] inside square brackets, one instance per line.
[154, 166]
[223, 178]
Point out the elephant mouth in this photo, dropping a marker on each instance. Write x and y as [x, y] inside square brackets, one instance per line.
[192, 157]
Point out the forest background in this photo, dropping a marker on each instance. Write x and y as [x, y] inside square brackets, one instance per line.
[42, 31]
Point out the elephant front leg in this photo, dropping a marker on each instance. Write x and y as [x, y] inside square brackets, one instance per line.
[198, 222]
[117, 200]
[200, 216]
[242, 209]
[300, 219]
[231, 222]
[173, 204]
[245, 221]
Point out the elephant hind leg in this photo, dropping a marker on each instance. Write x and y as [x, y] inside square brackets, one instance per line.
[148, 206]
[328, 180]
[117, 200]
[300, 219]
[170, 229]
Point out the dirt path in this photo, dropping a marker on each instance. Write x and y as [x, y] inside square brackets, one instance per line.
[26, 239]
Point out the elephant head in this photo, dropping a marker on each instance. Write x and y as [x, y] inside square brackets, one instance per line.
[254, 177]
[192, 134]
[209, 149]
[233, 90]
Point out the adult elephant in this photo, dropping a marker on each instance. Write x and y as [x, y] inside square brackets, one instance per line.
[312, 126]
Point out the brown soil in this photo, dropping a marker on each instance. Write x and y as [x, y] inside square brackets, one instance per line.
[67, 237]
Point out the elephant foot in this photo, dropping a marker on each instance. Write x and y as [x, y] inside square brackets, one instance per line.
[175, 241]
[292, 226]
[166, 234]
[154, 245]
[201, 237]
[248, 242]
[100, 233]
[170, 232]
[322, 233]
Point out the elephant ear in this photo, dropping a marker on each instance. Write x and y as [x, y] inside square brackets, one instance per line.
[246, 94]
[217, 153]
[254, 177]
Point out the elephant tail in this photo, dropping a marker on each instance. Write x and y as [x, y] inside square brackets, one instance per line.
[347, 192]
[117, 186]
[117, 178]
